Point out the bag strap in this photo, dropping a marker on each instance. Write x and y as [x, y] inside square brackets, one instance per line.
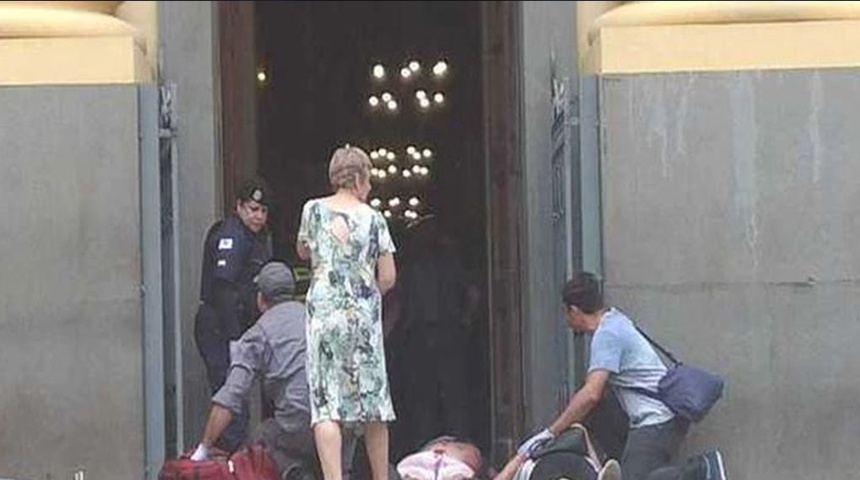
[646, 392]
[657, 345]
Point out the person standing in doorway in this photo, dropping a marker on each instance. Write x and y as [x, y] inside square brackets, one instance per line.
[234, 251]
[433, 359]
[352, 259]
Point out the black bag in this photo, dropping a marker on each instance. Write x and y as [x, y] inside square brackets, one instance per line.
[690, 392]
[569, 455]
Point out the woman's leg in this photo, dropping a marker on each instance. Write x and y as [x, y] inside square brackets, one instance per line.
[328, 441]
[376, 439]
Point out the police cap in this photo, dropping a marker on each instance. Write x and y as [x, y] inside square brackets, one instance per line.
[255, 189]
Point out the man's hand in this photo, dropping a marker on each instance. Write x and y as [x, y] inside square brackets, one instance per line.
[529, 446]
[202, 453]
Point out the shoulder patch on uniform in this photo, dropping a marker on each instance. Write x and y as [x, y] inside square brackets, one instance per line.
[225, 244]
[222, 263]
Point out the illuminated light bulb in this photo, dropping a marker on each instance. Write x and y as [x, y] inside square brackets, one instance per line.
[427, 153]
[424, 171]
[416, 169]
[390, 156]
[405, 72]
[378, 71]
[373, 101]
[382, 174]
[394, 202]
[387, 214]
[382, 152]
[392, 105]
[419, 94]
[406, 173]
[374, 155]
[392, 169]
[410, 149]
[413, 201]
[375, 203]
[438, 97]
[261, 76]
[424, 103]
[416, 156]
[414, 66]
[386, 97]
[440, 68]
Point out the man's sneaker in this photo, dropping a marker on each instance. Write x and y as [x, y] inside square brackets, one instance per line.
[714, 469]
[611, 470]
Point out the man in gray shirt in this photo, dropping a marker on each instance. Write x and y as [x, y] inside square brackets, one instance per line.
[273, 348]
[622, 358]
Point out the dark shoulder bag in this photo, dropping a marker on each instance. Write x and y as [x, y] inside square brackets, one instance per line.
[688, 391]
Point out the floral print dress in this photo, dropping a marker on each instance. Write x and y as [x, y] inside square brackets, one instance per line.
[345, 357]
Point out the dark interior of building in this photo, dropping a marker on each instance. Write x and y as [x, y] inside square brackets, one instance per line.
[319, 62]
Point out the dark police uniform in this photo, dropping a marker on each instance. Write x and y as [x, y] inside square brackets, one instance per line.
[232, 257]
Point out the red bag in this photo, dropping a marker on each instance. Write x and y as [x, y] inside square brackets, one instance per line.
[247, 463]
[183, 468]
[253, 463]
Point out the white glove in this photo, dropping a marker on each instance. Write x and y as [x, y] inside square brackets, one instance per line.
[202, 453]
[529, 446]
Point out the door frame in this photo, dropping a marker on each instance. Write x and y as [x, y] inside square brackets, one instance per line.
[501, 24]
[501, 54]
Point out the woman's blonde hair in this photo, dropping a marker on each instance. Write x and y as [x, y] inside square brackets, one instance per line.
[349, 166]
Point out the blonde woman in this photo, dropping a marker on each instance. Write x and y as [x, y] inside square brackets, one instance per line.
[352, 257]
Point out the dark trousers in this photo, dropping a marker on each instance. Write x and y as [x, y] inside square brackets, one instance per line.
[435, 385]
[214, 347]
[650, 450]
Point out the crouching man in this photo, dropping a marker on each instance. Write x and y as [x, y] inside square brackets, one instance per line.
[621, 358]
[273, 348]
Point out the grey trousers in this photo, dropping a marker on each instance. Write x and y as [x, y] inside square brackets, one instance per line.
[295, 454]
[650, 451]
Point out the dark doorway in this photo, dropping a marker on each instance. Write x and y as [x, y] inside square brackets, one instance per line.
[318, 59]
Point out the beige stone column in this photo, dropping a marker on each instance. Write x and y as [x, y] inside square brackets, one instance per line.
[77, 42]
[662, 36]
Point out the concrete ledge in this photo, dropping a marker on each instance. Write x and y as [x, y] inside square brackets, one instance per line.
[725, 47]
[72, 60]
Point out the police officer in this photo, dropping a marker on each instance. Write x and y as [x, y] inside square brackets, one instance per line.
[234, 251]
